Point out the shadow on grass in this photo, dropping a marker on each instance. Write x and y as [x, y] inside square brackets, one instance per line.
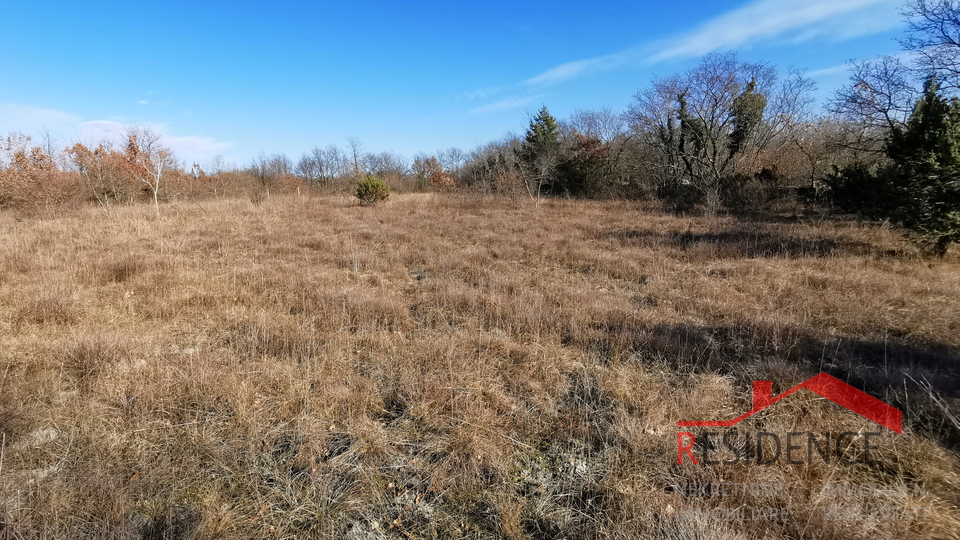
[920, 379]
[744, 242]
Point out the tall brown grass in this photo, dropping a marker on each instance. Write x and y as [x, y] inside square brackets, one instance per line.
[451, 366]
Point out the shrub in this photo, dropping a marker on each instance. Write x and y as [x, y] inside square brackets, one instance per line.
[750, 193]
[372, 190]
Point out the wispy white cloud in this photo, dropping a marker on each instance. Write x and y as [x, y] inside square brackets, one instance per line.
[785, 21]
[828, 71]
[760, 22]
[485, 93]
[581, 67]
[770, 22]
[95, 131]
[33, 120]
[506, 104]
[906, 57]
[142, 102]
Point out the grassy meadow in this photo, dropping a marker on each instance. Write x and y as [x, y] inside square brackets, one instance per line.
[455, 366]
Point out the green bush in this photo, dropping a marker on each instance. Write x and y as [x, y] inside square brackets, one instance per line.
[372, 190]
[919, 188]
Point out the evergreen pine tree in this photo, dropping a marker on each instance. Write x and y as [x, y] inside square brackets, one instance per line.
[920, 188]
[542, 138]
[539, 152]
[924, 184]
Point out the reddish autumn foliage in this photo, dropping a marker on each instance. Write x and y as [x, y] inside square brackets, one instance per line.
[431, 174]
[106, 174]
[442, 181]
[33, 182]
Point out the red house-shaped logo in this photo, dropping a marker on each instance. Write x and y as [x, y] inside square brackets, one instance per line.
[826, 386]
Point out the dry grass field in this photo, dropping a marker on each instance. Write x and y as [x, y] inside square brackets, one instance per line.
[450, 366]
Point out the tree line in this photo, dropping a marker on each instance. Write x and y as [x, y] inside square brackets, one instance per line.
[37, 175]
[724, 136]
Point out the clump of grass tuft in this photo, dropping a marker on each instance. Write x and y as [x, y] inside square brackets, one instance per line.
[85, 359]
[124, 269]
[48, 305]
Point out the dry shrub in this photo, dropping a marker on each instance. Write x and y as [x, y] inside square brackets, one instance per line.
[106, 174]
[33, 184]
[291, 184]
[441, 181]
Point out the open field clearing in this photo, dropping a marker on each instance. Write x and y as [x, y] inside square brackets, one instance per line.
[450, 366]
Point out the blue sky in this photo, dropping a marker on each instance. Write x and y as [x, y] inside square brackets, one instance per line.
[238, 78]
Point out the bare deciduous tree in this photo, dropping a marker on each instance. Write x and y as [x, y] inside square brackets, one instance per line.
[423, 167]
[51, 146]
[705, 122]
[10, 145]
[452, 160]
[148, 160]
[217, 165]
[320, 166]
[268, 168]
[493, 167]
[384, 165]
[356, 157]
[603, 124]
[878, 98]
[935, 36]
